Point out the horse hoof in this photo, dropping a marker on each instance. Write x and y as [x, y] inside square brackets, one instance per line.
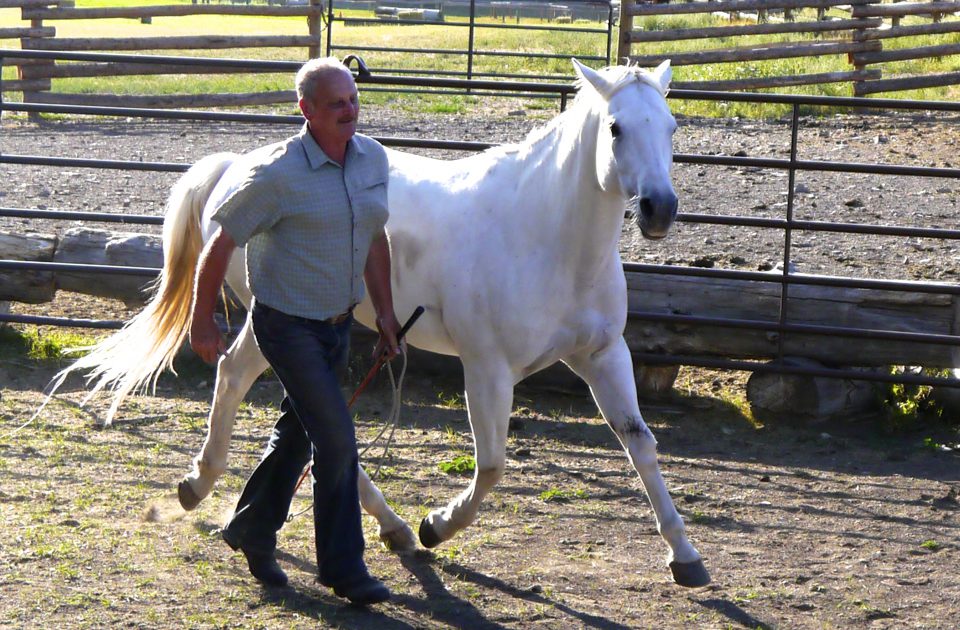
[401, 540]
[690, 574]
[188, 498]
[428, 535]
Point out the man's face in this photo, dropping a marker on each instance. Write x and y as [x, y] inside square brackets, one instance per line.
[333, 111]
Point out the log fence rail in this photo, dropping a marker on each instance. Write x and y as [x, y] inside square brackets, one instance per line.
[859, 37]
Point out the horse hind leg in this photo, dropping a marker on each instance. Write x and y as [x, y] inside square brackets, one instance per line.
[395, 534]
[609, 373]
[236, 372]
[489, 391]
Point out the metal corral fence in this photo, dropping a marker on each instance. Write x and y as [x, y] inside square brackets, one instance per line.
[433, 12]
[855, 29]
[923, 331]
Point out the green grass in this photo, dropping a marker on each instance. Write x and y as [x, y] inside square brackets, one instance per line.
[446, 37]
[48, 344]
[459, 465]
[559, 495]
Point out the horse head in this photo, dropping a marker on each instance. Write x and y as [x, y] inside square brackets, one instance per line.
[634, 154]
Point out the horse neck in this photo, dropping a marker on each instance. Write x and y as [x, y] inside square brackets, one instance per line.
[578, 219]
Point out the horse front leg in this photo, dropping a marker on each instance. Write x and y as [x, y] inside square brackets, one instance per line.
[236, 372]
[394, 532]
[609, 373]
[489, 392]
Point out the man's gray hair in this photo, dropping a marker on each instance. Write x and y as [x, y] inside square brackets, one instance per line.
[312, 72]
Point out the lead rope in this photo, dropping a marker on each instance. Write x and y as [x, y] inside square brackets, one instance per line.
[391, 422]
[393, 419]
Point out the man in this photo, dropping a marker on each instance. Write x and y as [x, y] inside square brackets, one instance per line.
[311, 214]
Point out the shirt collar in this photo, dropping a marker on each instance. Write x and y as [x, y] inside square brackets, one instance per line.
[315, 155]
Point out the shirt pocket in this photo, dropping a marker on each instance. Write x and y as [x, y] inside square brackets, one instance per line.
[370, 205]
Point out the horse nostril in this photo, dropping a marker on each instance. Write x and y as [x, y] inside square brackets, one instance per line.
[646, 208]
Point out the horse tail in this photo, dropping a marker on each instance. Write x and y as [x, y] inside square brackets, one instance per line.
[132, 359]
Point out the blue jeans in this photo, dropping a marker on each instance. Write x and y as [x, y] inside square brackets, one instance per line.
[305, 354]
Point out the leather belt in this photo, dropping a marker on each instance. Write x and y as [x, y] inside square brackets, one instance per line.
[342, 317]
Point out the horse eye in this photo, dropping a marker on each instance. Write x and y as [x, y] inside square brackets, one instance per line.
[614, 130]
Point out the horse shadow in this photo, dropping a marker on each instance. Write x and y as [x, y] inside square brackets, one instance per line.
[436, 602]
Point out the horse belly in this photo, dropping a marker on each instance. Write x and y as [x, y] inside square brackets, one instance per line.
[427, 334]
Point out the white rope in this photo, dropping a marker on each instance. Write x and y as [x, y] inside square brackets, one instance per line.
[393, 419]
[391, 422]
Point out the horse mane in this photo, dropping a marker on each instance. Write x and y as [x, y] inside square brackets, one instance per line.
[618, 76]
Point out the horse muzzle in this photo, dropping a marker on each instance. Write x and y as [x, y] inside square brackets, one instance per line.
[655, 213]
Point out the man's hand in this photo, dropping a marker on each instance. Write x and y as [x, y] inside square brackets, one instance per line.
[206, 340]
[387, 345]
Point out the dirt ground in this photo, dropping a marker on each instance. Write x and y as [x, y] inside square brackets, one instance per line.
[830, 525]
[824, 526]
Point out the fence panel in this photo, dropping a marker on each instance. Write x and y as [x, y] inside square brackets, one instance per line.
[804, 29]
[517, 30]
[897, 29]
[34, 76]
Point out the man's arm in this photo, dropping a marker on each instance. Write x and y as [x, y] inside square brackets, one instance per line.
[376, 275]
[205, 337]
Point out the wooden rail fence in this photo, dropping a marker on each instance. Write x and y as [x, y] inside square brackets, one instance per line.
[34, 76]
[867, 33]
[803, 28]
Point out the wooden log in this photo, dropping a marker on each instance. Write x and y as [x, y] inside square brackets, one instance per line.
[31, 287]
[808, 304]
[25, 4]
[772, 395]
[673, 35]
[874, 9]
[732, 6]
[758, 52]
[920, 52]
[99, 247]
[17, 85]
[176, 10]
[908, 83]
[778, 81]
[17, 33]
[940, 28]
[74, 70]
[655, 380]
[171, 101]
[174, 43]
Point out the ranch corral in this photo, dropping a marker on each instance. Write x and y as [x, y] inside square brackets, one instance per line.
[802, 525]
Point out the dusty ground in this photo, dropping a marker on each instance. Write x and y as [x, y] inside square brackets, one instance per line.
[830, 526]
[833, 525]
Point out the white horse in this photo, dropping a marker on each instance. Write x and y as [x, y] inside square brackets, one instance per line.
[514, 254]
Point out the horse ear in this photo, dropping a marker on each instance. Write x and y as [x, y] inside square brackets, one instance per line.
[591, 76]
[664, 74]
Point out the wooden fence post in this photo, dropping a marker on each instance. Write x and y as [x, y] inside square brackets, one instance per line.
[858, 36]
[626, 25]
[315, 26]
[35, 68]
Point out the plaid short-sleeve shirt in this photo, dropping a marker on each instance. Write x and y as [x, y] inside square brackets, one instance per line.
[308, 223]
